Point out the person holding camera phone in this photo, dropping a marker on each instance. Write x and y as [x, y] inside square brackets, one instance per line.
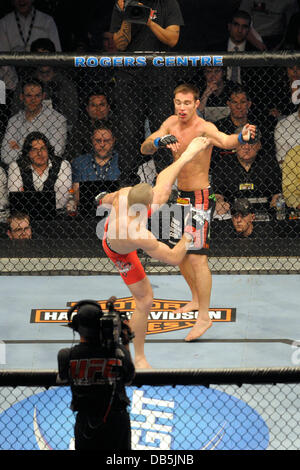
[143, 93]
[97, 369]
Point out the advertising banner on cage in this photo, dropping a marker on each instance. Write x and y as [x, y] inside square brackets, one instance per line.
[162, 418]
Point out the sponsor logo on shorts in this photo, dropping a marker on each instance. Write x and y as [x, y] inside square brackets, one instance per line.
[163, 317]
[123, 268]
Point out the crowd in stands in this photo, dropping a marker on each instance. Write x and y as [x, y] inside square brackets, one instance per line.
[62, 127]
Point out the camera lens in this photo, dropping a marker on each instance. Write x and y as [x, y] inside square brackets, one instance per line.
[135, 12]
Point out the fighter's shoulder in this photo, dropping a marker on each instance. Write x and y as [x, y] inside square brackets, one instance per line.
[205, 126]
[170, 122]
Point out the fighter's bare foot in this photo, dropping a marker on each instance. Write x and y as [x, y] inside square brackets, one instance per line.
[188, 307]
[142, 364]
[198, 330]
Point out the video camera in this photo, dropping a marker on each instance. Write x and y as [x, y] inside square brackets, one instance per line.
[136, 13]
[90, 321]
[113, 326]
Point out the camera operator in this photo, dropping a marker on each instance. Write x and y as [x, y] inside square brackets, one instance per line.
[160, 32]
[97, 369]
[143, 92]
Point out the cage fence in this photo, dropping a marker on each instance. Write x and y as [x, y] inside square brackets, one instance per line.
[61, 124]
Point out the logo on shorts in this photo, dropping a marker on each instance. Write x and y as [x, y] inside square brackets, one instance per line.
[165, 315]
[123, 268]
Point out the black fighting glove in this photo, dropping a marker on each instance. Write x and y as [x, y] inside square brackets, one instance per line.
[162, 142]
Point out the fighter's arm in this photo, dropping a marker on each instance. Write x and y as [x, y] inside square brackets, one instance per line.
[160, 138]
[225, 141]
[162, 252]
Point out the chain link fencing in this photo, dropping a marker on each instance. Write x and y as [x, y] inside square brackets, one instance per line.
[170, 410]
[64, 110]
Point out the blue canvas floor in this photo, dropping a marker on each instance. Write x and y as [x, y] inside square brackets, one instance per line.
[267, 320]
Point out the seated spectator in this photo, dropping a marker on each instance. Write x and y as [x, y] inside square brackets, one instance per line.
[291, 178]
[214, 93]
[19, 227]
[97, 109]
[9, 76]
[108, 44]
[286, 101]
[23, 25]
[270, 19]
[287, 135]
[60, 91]
[242, 216]
[36, 116]
[239, 104]
[3, 195]
[101, 164]
[38, 169]
[251, 174]
[239, 27]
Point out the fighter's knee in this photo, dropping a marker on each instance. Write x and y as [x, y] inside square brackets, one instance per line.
[145, 302]
[198, 261]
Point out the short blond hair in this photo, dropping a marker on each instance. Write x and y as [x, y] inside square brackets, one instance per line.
[140, 194]
[187, 88]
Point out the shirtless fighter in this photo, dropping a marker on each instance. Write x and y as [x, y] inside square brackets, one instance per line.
[126, 231]
[194, 190]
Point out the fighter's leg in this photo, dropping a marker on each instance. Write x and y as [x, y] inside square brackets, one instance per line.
[187, 272]
[203, 283]
[143, 296]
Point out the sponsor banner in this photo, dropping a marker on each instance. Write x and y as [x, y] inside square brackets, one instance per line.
[163, 317]
[162, 418]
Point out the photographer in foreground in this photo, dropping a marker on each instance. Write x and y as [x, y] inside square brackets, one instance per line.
[97, 369]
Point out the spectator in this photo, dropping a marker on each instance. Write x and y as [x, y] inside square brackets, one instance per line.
[287, 135]
[3, 195]
[9, 76]
[139, 92]
[238, 30]
[291, 178]
[270, 19]
[214, 93]
[252, 174]
[38, 169]
[19, 226]
[239, 104]
[23, 25]
[60, 92]
[242, 216]
[97, 109]
[287, 100]
[36, 116]
[292, 38]
[99, 165]
[108, 43]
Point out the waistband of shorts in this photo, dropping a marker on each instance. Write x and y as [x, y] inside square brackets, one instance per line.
[199, 196]
[182, 193]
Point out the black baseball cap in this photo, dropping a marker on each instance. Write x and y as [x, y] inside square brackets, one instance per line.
[241, 206]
